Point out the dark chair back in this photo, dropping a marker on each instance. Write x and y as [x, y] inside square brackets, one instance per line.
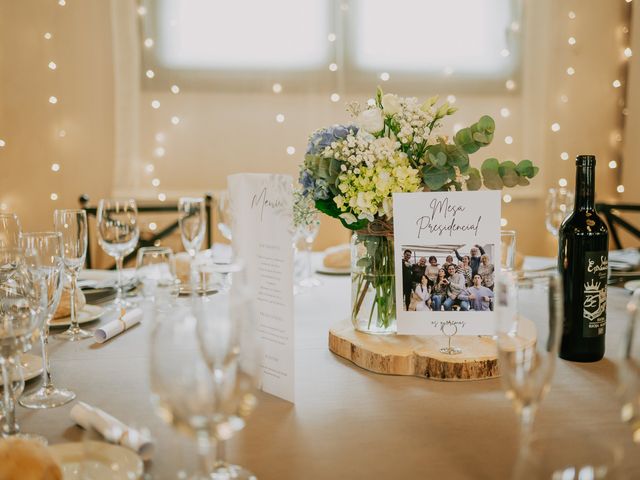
[148, 242]
[611, 212]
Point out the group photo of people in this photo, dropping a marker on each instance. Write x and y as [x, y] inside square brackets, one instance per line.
[448, 278]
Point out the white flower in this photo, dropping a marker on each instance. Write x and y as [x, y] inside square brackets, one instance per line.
[370, 120]
[391, 104]
[349, 218]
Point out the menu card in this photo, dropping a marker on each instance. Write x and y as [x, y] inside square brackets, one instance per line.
[262, 238]
[447, 257]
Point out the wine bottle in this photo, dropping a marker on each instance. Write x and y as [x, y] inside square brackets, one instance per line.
[583, 264]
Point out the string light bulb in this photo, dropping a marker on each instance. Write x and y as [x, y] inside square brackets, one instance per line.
[572, 15]
[506, 198]
[150, 74]
[571, 71]
[175, 120]
[53, 100]
[2, 143]
[155, 182]
[155, 104]
[53, 196]
[508, 139]
[384, 76]
[503, 222]
[162, 197]
[55, 167]
[52, 65]
[505, 52]
[48, 36]
[555, 127]
[279, 118]
[149, 168]
[451, 98]
[331, 37]
[613, 164]
[159, 152]
[505, 112]
[562, 182]
[620, 189]
[175, 89]
[616, 84]
[148, 42]
[571, 41]
[510, 84]
[291, 150]
[564, 156]
[277, 88]
[335, 97]
[153, 226]
[627, 52]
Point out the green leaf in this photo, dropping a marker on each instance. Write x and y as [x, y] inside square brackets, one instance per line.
[490, 164]
[435, 178]
[487, 124]
[510, 177]
[480, 138]
[359, 225]
[525, 168]
[523, 182]
[475, 180]
[328, 207]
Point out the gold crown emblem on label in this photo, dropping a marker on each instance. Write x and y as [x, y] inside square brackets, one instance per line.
[592, 287]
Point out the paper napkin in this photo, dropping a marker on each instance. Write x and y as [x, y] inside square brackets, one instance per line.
[112, 429]
[117, 326]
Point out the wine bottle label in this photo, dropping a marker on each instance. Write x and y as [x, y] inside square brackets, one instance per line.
[595, 293]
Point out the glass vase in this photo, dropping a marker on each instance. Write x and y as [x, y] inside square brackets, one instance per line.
[373, 284]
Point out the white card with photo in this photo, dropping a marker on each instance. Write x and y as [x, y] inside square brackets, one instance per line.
[447, 256]
[262, 238]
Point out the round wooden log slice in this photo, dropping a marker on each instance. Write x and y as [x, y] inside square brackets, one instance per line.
[420, 356]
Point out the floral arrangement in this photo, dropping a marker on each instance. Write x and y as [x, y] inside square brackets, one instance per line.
[351, 172]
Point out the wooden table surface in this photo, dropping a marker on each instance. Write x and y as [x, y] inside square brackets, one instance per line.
[349, 423]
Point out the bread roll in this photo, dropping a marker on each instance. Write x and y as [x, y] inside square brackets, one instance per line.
[64, 308]
[27, 460]
[338, 259]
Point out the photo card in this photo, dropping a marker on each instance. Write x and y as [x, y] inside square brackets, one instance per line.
[447, 256]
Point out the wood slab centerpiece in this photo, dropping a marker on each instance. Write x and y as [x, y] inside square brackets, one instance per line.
[420, 356]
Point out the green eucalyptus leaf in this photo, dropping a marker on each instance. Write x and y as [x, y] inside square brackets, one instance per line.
[506, 166]
[490, 164]
[475, 180]
[492, 181]
[523, 181]
[480, 138]
[510, 177]
[435, 178]
[487, 124]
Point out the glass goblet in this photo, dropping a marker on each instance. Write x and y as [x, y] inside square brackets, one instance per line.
[72, 224]
[156, 270]
[48, 248]
[307, 234]
[23, 306]
[118, 235]
[225, 216]
[10, 230]
[559, 204]
[528, 345]
[629, 368]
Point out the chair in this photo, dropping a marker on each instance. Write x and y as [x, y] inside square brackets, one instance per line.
[611, 214]
[154, 237]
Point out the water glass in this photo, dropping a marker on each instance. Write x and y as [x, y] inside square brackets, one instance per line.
[508, 250]
[156, 270]
[72, 225]
[306, 234]
[559, 205]
[225, 216]
[193, 222]
[204, 371]
[629, 368]
[10, 231]
[47, 246]
[528, 328]
[23, 305]
[118, 235]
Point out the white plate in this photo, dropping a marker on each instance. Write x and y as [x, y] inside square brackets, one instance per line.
[31, 366]
[632, 285]
[99, 460]
[88, 314]
[333, 271]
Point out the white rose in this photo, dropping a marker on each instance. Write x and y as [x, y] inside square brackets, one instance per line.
[371, 120]
[390, 104]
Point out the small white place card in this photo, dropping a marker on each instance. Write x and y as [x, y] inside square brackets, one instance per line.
[447, 255]
[262, 238]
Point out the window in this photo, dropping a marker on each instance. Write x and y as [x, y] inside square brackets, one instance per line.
[243, 34]
[430, 36]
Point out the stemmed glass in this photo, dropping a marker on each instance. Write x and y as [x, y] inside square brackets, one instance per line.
[307, 233]
[10, 230]
[559, 205]
[72, 224]
[47, 246]
[118, 235]
[528, 346]
[629, 368]
[156, 269]
[204, 369]
[192, 220]
[223, 209]
[23, 305]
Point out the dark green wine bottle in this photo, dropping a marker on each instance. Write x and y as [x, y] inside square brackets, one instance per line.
[583, 264]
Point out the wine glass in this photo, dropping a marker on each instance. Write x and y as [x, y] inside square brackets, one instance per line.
[156, 269]
[10, 230]
[225, 216]
[204, 369]
[23, 306]
[192, 219]
[307, 233]
[48, 248]
[559, 205]
[629, 368]
[118, 234]
[72, 224]
[529, 326]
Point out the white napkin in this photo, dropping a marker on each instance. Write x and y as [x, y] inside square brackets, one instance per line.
[112, 429]
[116, 327]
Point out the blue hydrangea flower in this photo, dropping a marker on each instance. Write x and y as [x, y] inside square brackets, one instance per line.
[321, 139]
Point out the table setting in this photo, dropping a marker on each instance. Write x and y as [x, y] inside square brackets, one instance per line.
[374, 359]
